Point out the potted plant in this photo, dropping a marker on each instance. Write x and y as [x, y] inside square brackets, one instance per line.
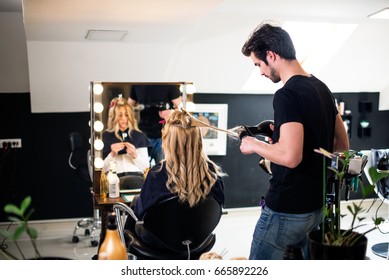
[332, 241]
[21, 216]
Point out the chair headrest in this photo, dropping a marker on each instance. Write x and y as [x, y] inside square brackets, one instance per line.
[75, 141]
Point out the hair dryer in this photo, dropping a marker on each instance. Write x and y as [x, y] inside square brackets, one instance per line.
[263, 128]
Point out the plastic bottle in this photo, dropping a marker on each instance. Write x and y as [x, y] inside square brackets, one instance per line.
[112, 247]
[103, 185]
[113, 181]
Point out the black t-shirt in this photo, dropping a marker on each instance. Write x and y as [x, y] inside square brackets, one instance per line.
[308, 101]
[155, 98]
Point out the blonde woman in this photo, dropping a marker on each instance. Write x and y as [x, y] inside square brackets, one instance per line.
[185, 172]
[124, 143]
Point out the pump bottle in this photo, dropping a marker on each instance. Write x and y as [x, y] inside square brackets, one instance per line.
[113, 181]
[112, 247]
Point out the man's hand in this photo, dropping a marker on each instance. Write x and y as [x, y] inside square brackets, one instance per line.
[248, 145]
[165, 113]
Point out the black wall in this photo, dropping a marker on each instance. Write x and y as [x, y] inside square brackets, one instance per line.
[40, 168]
[247, 182]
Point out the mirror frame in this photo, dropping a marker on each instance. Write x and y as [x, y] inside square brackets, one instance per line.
[99, 115]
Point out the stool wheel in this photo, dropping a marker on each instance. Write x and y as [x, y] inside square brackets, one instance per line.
[94, 243]
[87, 232]
[75, 239]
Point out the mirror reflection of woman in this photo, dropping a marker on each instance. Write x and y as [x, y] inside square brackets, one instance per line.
[124, 143]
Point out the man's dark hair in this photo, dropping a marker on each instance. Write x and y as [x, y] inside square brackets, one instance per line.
[267, 37]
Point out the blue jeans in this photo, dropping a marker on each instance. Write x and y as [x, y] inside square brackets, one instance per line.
[274, 231]
[156, 152]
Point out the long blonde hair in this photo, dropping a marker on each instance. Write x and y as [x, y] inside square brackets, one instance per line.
[187, 165]
[112, 124]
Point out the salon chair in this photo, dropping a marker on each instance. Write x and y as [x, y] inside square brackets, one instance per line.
[173, 230]
[83, 169]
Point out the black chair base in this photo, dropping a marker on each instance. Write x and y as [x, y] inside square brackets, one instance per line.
[89, 225]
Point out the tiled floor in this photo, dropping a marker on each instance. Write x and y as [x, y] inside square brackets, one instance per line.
[233, 235]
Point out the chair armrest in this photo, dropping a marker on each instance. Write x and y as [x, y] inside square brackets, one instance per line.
[124, 207]
[121, 208]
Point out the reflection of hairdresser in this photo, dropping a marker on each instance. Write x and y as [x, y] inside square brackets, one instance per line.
[124, 143]
[185, 172]
[158, 100]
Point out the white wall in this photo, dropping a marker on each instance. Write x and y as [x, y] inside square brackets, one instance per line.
[60, 72]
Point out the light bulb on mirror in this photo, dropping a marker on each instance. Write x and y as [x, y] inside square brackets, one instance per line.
[99, 162]
[98, 144]
[98, 88]
[98, 126]
[190, 89]
[98, 107]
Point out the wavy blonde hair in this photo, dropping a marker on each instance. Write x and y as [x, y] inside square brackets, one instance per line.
[113, 113]
[187, 165]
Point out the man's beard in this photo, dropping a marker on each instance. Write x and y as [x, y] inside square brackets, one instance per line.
[274, 77]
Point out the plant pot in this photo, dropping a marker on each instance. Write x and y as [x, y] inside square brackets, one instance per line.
[319, 251]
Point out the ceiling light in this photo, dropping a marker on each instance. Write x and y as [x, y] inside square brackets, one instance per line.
[382, 14]
[106, 35]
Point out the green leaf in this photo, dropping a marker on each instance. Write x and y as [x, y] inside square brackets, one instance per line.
[334, 170]
[378, 221]
[14, 219]
[12, 209]
[33, 232]
[367, 189]
[375, 176]
[18, 232]
[350, 209]
[25, 204]
[360, 219]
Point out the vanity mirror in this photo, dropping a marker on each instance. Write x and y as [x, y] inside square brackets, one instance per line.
[101, 94]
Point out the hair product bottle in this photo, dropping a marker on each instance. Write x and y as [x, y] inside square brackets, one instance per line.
[103, 185]
[113, 181]
[112, 247]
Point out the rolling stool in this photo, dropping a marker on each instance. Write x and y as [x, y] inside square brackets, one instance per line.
[89, 225]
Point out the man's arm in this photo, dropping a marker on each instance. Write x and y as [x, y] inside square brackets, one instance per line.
[176, 102]
[341, 141]
[131, 101]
